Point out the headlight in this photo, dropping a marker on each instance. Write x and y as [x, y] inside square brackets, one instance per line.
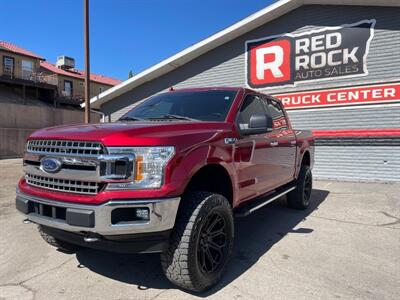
[149, 166]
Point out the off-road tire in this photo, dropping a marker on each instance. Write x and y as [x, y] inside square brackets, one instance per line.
[299, 198]
[183, 262]
[61, 245]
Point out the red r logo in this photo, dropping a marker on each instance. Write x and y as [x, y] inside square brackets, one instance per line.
[268, 62]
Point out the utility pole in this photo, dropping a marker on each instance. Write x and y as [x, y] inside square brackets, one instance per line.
[87, 61]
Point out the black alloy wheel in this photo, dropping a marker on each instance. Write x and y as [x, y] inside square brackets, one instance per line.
[212, 246]
[307, 188]
[300, 197]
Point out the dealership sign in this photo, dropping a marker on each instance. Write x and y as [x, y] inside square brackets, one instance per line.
[289, 59]
[371, 94]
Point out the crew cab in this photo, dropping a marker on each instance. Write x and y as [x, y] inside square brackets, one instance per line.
[169, 176]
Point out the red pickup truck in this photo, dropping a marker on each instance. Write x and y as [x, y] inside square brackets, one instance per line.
[168, 177]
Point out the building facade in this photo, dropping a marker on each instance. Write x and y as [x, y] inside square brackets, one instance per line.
[17, 62]
[20, 70]
[335, 67]
[70, 82]
[33, 97]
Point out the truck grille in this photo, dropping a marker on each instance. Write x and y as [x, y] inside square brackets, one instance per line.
[64, 185]
[65, 147]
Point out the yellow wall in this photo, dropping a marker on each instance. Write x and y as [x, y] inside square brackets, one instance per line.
[18, 62]
[78, 86]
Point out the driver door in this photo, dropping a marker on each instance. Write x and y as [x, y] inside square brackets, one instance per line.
[256, 167]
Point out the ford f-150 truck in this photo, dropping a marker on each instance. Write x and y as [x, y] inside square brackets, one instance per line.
[169, 176]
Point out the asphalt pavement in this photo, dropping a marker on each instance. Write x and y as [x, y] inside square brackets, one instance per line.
[346, 245]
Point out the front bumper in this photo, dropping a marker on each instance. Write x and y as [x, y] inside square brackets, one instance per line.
[98, 219]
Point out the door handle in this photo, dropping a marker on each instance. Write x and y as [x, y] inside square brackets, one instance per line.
[230, 141]
[274, 144]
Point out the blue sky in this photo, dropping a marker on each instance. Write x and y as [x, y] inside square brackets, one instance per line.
[125, 34]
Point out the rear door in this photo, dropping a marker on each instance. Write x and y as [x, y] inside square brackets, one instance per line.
[283, 142]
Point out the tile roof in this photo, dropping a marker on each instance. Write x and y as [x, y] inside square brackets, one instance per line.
[16, 49]
[79, 74]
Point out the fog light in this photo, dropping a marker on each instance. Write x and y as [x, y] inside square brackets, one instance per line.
[129, 215]
[142, 213]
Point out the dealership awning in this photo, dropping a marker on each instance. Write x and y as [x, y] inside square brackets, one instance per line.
[255, 20]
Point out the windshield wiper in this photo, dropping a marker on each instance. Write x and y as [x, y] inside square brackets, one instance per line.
[128, 118]
[170, 116]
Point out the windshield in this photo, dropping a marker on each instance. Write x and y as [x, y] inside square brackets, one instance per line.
[202, 105]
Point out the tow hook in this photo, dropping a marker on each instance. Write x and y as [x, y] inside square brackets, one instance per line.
[91, 238]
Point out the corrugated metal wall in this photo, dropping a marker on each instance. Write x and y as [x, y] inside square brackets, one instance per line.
[225, 66]
[361, 117]
[357, 163]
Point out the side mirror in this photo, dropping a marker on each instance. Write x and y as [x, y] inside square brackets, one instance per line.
[259, 123]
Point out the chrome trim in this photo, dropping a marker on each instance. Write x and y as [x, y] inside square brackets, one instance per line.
[162, 215]
[270, 200]
[230, 140]
[87, 162]
[71, 159]
[84, 175]
[109, 159]
[66, 174]
[79, 161]
[63, 185]
[65, 147]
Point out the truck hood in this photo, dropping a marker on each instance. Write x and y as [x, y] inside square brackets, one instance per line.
[146, 133]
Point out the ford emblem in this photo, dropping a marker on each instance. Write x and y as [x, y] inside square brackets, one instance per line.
[50, 165]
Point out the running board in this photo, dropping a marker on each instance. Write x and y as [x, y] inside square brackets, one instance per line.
[262, 201]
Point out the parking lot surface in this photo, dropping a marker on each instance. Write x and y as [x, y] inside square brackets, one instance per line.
[346, 245]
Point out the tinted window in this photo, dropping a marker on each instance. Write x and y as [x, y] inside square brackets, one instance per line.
[204, 106]
[278, 117]
[251, 105]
